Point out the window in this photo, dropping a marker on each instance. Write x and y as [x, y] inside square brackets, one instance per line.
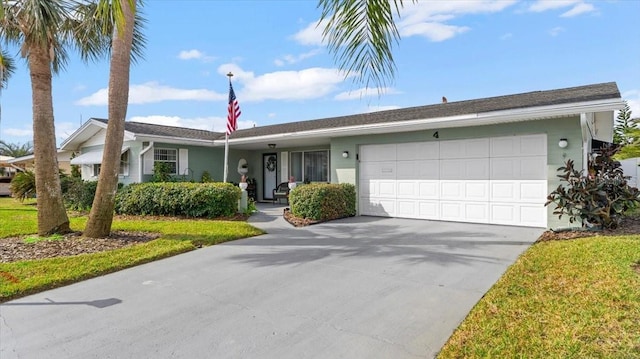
[124, 164]
[310, 166]
[168, 156]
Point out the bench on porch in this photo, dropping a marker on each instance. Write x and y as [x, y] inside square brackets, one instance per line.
[282, 191]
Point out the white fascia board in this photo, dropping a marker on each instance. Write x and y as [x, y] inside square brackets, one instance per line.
[486, 118]
[174, 140]
[69, 142]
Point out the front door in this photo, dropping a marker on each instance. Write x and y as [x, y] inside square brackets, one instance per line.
[269, 173]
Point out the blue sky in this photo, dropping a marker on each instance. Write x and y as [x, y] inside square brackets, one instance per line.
[283, 73]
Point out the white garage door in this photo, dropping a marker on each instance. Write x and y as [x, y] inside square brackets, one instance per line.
[500, 180]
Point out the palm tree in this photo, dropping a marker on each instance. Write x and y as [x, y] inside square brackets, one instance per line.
[15, 149]
[125, 42]
[361, 34]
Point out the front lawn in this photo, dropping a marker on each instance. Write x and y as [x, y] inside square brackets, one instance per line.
[578, 298]
[176, 236]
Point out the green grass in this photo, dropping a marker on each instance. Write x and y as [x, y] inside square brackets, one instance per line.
[177, 236]
[562, 299]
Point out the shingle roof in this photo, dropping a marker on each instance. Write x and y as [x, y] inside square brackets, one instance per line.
[140, 128]
[530, 99]
[608, 90]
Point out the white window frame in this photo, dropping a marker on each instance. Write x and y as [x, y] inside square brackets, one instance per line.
[300, 180]
[174, 150]
[95, 169]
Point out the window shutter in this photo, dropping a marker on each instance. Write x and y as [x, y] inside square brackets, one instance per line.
[148, 162]
[183, 161]
[284, 166]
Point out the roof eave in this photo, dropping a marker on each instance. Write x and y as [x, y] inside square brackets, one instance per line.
[477, 119]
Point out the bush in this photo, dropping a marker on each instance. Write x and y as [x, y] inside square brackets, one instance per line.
[598, 199]
[78, 194]
[23, 185]
[323, 201]
[209, 200]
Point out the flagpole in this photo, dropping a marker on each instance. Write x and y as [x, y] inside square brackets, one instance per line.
[226, 157]
[226, 145]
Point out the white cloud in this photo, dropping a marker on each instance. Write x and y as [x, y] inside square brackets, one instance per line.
[210, 123]
[544, 5]
[365, 92]
[381, 108]
[309, 83]
[291, 59]
[311, 35]
[428, 19]
[581, 8]
[65, 129]
[271, 115]
[506, 36]
[18, 132]
[151, 92]
[578, 7]
[433, 31]
[556, 31]
[195, 55]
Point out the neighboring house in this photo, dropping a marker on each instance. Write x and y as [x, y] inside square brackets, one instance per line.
[6, 173]
[27, 163]
[631, 168]
[491, 160]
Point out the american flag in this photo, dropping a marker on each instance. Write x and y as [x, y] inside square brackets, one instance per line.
[234, 111]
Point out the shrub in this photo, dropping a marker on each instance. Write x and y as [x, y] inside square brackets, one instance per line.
[323, 201]
[23, 185]
[206, 177]
[208, 200]
[598, 199]
[161, 172]
[78, 194]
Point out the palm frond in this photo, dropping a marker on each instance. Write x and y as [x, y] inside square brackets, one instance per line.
[361, 35]
[7, 68]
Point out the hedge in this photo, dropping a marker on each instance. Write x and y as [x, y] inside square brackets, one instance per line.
[323, 201]
[208, 200]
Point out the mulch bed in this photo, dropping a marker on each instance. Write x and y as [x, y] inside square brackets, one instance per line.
[14, 249]
[297, 221]
[629, 225]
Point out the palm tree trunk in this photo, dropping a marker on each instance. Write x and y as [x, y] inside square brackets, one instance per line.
[101, 215]
[52, 217]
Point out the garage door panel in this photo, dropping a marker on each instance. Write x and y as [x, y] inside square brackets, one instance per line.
[428, 169]
[378, 170]
[518, 168]
[429, 209]
[377, 153]
[407, 209]
[455, 149]
[387, 189]
[428, 189]
[504, 191]
[418, 151]
[533, 168]
[407, 189]
[476, 191]
[504, 213]
[384, 207]
[476, 212]
[533, 215]
[504, 147]
[451, 211]
[418, 170]
[452, 190]
[464, 169]
[533, 191]
[367, 188]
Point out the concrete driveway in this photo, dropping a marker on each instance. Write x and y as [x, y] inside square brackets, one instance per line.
[362, 287]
